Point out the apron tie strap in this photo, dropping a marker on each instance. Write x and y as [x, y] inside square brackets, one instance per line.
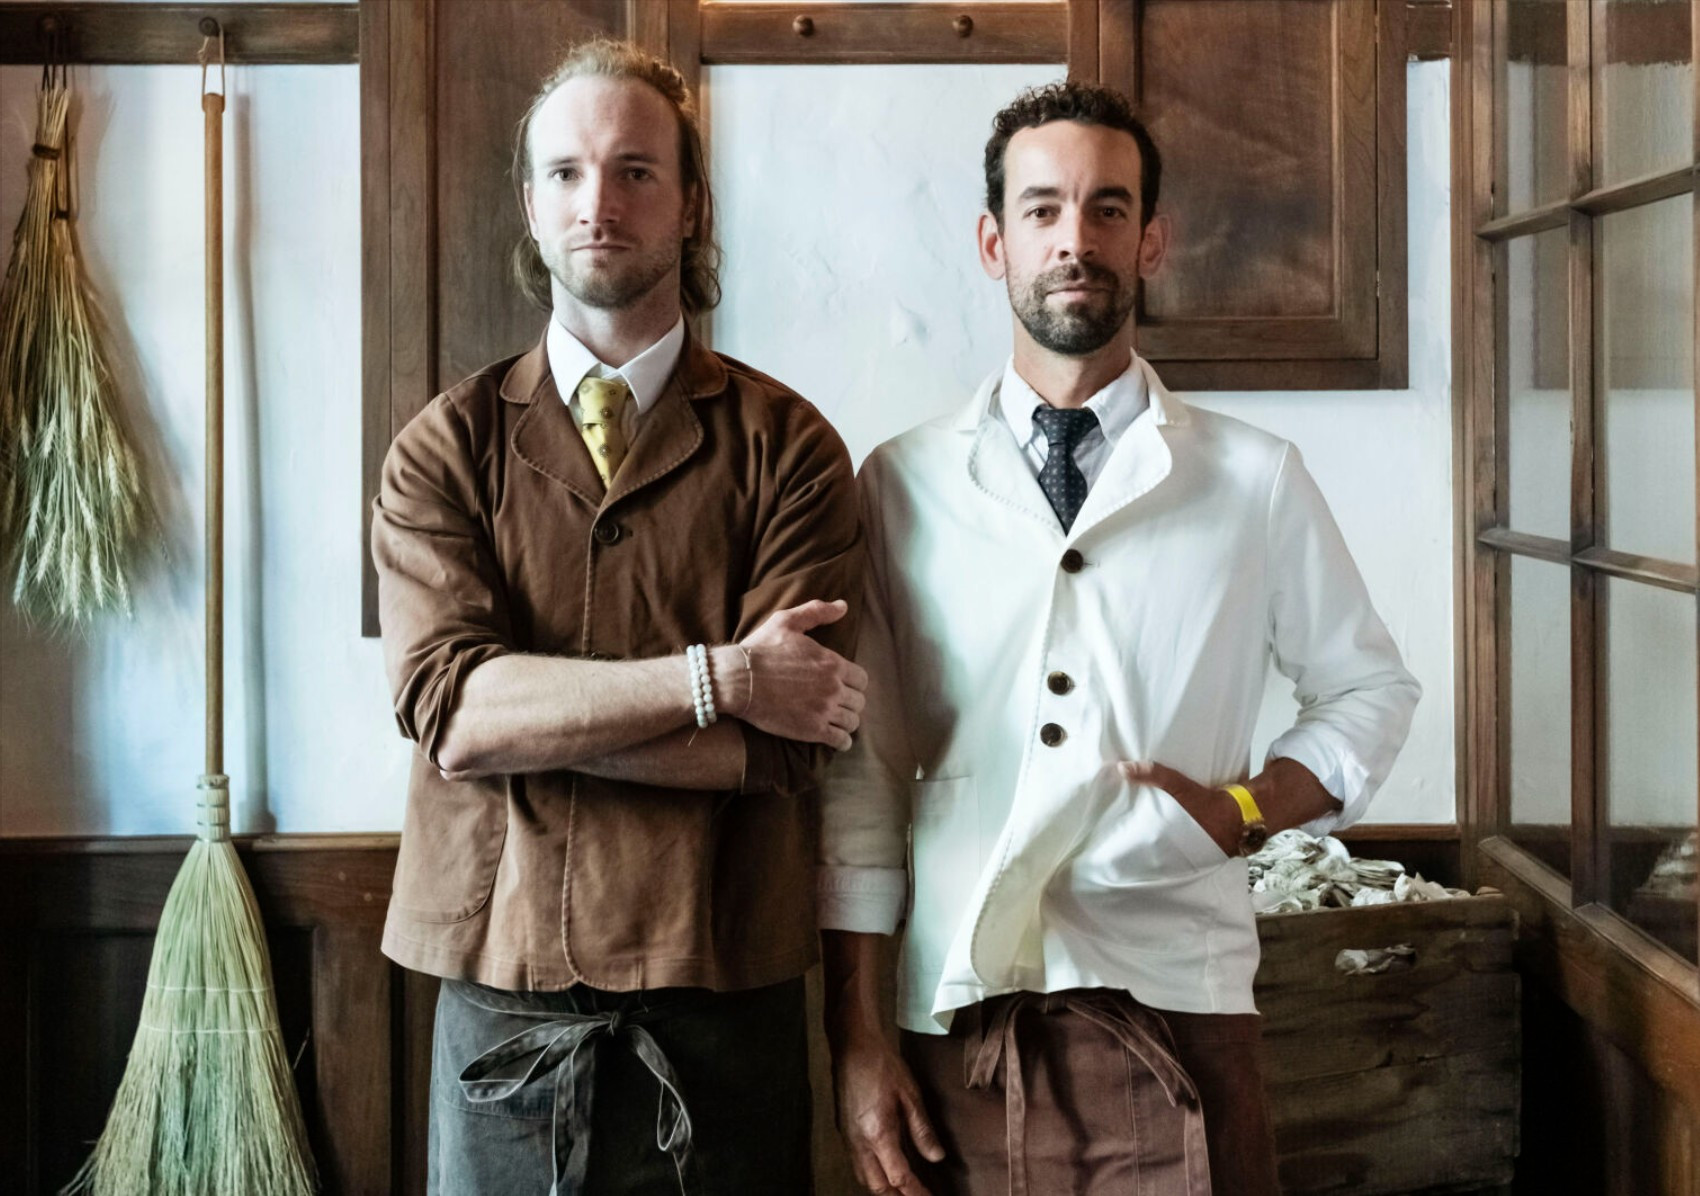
[992, 1043]
[569, 1039]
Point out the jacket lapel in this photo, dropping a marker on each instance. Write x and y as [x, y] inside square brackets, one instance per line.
[1139, 462]
[996, 464]
[546, 438]
[670, 432]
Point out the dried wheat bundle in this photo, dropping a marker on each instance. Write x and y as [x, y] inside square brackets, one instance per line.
[72, 510]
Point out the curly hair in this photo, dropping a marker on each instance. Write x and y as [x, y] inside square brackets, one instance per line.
[1086, 103]
[699, 267]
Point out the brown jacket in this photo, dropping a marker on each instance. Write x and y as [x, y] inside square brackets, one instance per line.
[492, 534]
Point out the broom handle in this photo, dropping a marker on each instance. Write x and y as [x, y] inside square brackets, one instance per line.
[212, 104]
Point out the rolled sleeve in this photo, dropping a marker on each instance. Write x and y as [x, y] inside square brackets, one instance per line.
[441, 602]
[865, 798]
[1355, 696]
[864, 900]
[809, 548]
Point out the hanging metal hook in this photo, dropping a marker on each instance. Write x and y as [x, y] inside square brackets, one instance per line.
[210, 28]
[54, 33]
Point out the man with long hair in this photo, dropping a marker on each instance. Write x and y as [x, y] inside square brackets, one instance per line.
[1075, 587]
[613, 575]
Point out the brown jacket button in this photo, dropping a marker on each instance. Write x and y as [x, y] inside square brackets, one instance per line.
[1072, 561]
[1050, 735]
[607, 533]
[1060, 683]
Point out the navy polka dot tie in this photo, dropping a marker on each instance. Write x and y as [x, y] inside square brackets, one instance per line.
[1061, 478]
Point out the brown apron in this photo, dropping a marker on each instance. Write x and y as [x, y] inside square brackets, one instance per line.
[1088, 1091]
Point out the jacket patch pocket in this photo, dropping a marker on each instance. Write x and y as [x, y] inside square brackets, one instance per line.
[451, 843]
[945, 864]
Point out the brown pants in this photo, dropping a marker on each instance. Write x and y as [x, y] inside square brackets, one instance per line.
[1109, 1097]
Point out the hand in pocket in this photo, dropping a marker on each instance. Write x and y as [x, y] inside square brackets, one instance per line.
[1214, 810]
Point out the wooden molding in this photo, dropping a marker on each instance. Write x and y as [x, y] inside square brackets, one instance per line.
[1618, 980]
[155, 34]
[1428, 25]
[819, 33]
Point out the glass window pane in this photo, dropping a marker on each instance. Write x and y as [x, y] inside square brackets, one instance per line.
[1537, 385]
[1646, 368]
[1650, 758]
[1644, 90]
[1531, 57]
[1538, 772]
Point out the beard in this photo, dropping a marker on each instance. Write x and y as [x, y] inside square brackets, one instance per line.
[1083, 326]
[613, 284]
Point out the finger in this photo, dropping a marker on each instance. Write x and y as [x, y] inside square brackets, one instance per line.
[856, 677]
[861, 1164]
[920, 1128]
[888, 1149]
[814, 614]
[845, 719]
[866, 1169]
[1149, 772]
[839, 741]
[853, 699]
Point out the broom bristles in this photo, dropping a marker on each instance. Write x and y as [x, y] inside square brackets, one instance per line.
[207, 1105]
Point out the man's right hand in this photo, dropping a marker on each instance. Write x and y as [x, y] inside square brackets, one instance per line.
[879, 1105]
[794, 687]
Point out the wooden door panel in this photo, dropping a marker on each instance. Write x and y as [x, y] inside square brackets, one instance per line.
[1266, 116]
[489, 56]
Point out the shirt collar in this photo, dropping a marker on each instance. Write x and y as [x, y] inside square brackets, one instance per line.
[646, 374]
[1116, 405]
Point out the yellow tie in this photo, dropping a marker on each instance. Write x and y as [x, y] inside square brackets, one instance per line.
[601, 401]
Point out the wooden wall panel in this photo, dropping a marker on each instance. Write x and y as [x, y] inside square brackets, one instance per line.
[490, 56]
[76, 934]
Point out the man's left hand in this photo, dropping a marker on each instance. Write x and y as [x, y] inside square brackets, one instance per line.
[1213, 809]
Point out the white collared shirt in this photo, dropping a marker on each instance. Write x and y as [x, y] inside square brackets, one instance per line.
[1116, 406]
[646, 374]
[1012, 665]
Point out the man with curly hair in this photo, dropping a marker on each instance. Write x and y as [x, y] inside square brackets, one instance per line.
[1075, 587]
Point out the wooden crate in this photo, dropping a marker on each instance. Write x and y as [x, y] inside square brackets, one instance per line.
[1406, 1081]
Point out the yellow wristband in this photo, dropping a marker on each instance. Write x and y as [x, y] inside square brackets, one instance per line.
[1248, 804]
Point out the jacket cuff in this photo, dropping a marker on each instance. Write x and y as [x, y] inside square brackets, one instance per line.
[859, 899]
[775, 765]
[1335, 766]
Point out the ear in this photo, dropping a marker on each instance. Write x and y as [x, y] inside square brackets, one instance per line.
[530, 213]
[1154, 244]
[689, 222]
[990, 240]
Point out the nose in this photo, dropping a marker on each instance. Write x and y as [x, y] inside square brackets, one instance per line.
[1073, 237]
[597, 204]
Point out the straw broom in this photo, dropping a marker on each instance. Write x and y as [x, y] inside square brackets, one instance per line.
[72, 511]
[207, 1105]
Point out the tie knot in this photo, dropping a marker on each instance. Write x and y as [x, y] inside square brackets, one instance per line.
[1064, 426]
[602, 398]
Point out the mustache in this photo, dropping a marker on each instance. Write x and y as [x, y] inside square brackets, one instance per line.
[1075, 275]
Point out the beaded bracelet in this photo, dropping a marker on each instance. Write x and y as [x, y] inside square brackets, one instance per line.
[702, 685]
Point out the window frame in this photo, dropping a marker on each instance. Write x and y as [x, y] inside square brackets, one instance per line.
[1577, 934]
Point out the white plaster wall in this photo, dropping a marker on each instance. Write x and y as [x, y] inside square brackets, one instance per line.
[872, 237]
[102, 735]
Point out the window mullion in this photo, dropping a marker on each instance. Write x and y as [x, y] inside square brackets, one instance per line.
[1589, 870]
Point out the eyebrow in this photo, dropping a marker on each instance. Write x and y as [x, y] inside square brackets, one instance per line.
[1111, 192]
[623, 156]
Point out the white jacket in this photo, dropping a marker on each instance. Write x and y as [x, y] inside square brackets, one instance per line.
[1205, 551]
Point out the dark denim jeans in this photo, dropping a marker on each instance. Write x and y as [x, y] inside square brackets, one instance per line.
[689, 1091]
